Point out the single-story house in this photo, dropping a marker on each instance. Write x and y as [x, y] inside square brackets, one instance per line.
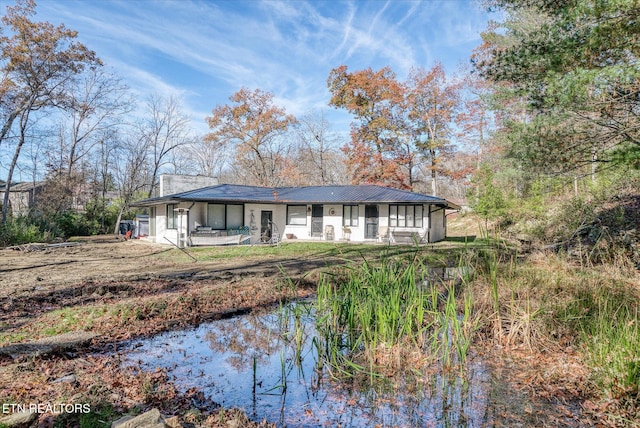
[22, 196]
[229, 213]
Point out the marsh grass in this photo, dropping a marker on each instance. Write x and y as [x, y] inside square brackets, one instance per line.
[551, 303]
[509, 299]
[390, 317]
[606, 319]
[293, 318]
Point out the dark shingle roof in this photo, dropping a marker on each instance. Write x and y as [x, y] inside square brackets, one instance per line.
[20, 186]
[298, 195]
[352, 194]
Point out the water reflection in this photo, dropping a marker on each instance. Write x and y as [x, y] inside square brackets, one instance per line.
[267, 364]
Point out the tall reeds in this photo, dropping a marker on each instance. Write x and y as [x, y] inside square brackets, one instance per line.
[385, 317]
[608, 324]
[552, 303]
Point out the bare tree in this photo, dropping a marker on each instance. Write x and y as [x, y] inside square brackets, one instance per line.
[131, 173]
[97, 104]
[37, 63]
[318, 158]
[208, 156]
[104, 164]
[165, 130]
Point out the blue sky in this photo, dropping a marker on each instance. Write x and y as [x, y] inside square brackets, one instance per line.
[203, 51]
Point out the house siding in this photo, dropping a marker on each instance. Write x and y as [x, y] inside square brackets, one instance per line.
[433, 222]
[256, 200]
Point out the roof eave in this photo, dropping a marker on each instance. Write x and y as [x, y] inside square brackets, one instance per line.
[451, 206]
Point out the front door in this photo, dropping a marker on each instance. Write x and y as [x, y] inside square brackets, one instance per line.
[371, 221]
[316, 220]
[266, 222]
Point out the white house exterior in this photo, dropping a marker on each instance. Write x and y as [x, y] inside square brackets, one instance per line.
[364, 213]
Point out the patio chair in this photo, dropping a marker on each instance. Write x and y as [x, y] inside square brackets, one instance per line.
[383, 234]
[328, 233]
[275, 239]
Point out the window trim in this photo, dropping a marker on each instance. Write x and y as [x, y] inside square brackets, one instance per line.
[172, 217]
[304, 212]
[418, 220]
[349, 221]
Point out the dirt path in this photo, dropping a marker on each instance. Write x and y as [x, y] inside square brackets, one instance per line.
[109, 259]
[108, 270]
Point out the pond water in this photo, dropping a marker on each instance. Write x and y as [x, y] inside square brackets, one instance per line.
[254, 362]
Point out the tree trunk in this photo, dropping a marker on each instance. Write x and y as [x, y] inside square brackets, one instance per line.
[24, 119]
[434, 186]
[8, 124]
[7, 190]
[116, 229]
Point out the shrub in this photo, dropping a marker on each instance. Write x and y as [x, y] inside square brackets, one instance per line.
[22, 230]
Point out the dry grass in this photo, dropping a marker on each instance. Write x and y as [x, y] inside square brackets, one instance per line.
[578, 323]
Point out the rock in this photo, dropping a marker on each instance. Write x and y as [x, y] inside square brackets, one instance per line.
[150, 419]
[173, 422]
[119, 423]
[69, 378]
[18, 419]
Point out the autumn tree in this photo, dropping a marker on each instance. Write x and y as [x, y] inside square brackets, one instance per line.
[37, 63]
[477, 121]
[253, 127]
[375, 100]
[432, 102]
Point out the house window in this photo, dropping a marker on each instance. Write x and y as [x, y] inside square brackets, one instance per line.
[405, 215]
[216, 216]
[235, 216]
[172, 216]
[350, 215]
[297, 215]
[221, 216]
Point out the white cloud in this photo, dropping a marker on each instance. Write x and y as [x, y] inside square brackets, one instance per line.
[207, 50]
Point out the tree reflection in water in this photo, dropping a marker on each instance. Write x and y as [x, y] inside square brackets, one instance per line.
[267, 364]
[244, 339]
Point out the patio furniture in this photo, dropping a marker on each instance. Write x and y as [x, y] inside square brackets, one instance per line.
[328, 233]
